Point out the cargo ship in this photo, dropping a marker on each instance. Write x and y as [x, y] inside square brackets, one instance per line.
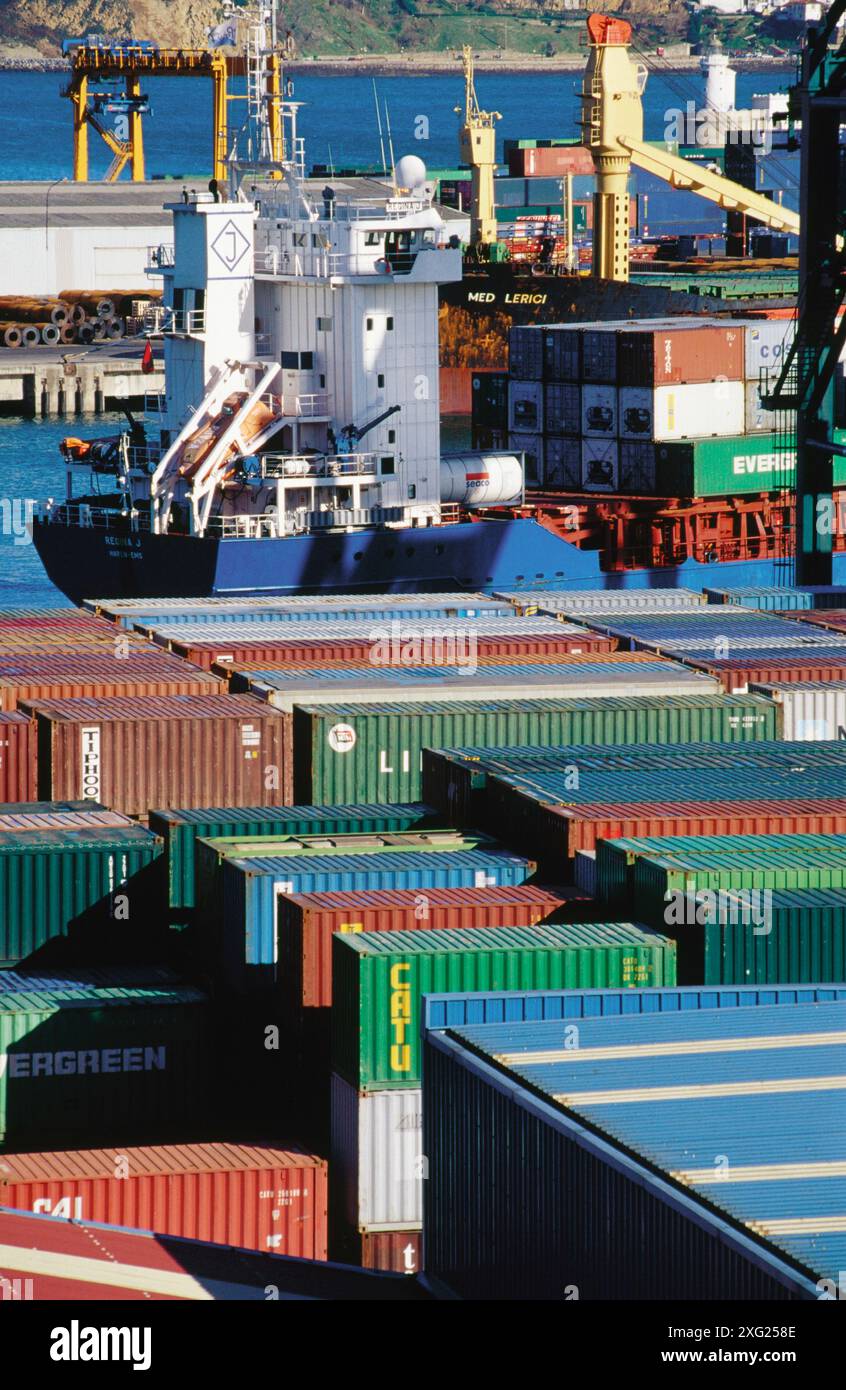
[296, 447]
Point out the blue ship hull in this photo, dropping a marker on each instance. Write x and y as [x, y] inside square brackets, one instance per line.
[89, 562]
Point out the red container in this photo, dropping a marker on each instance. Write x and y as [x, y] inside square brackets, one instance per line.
[96, 677]
[832, 618]
[398, 1252]
[557, 832]
[672, 356]
[209, 654]
[18, 775]
[136, 755]
[254, 1196]
[307, 922]
[796, 666]
[550, 162]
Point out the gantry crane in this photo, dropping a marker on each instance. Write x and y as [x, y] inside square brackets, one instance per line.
[477, 143]
[612, 119]
[95, 60]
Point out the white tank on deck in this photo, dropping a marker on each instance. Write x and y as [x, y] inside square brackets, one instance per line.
[481, 480]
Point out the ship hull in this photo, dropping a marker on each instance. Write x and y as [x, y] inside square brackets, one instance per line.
[85, 562]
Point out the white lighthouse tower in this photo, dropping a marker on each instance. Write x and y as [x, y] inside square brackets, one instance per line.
[720, 80]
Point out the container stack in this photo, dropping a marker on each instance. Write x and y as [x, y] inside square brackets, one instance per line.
[377, 1164]
[667, 407]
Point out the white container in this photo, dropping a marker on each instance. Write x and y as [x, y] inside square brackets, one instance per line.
[532, 446]
[599, 412]
[767, 344]
[376, 1158]
[525, 406]
[758, 420]
[562, 466]
[636, 408]
[584, 871]
[701, 411]
[814, 711]
[599, 465]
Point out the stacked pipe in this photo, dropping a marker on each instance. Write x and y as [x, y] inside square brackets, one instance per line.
[72, 316]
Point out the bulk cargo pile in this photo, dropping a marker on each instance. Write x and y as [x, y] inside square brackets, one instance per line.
[249, 846]
[73, 316]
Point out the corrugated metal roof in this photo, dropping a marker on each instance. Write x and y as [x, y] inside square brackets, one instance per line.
[131, 708]
[506, 938]
[745, 1107]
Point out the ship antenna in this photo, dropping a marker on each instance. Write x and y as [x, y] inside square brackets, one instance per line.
[379, 127]
[390, 144]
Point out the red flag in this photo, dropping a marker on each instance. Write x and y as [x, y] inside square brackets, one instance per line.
[147, 363]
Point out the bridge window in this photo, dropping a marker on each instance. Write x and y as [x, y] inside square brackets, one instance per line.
[380, 380]
[390, 324]
[387, 466]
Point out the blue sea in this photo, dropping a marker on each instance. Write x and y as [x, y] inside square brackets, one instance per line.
[339, 124]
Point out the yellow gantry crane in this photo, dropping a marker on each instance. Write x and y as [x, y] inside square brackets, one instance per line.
[477, 143]
[612, 106]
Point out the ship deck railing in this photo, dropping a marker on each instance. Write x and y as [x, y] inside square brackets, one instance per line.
[84, 514]
[319, 263]
[308, 466]
[161, 257]
[311, 405]
[182, 320]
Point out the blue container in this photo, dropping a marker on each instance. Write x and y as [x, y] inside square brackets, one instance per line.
[788, 599]
[542, 1006]
[690, 1154]
[245, 949]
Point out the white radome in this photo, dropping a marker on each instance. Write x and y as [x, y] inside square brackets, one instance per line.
[410, 172]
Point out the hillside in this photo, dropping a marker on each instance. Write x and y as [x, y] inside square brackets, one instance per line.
[349, 27]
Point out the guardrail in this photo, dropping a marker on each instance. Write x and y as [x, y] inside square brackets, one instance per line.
[162, 257]
[98, 518]
[317, 465]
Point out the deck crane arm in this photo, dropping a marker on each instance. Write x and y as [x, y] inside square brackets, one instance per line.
[477, 144]
[350, 436]
[612, 103]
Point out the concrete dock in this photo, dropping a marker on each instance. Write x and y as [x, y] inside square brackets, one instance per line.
[45, 382]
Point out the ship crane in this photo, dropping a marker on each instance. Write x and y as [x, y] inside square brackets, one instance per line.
[612, 107]
[350, 436]
[477, 143]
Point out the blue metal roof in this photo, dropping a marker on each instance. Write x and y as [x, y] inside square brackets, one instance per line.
[745, 1107]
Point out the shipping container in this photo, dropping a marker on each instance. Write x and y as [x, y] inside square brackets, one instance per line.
[767, 343]
[531, 446]
[525, 353]
[783, 599]
[18, 778]
[308, 921]
[95, 677]
[180, 829]
[599, 355]
[306, 607]
[636, 468]
[637, 412]
[661, 887]
[597, 602]
[375, 1159]
[758, 419]
[552, 162]
[378, 981]
[243, 924]
[136, 754]
[723, 467]
[490, 398]
[18, 816]
[98, 887]
[561, 351]
[562, 463]
[543, 1006]
[51, 1259]
[617, 674]
[90, 1056]
[525, 406]
[599, 412]
[774, 667]
[685, 354]
[600, 465]
[400, 1252]
[375, 752]
[256, 1196]
[698, 411]
[812, 710]
[637, 1208]
[561, 409]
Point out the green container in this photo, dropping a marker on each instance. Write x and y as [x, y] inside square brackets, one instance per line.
[760, 938]
[617, 861]
[180, 831]
[660, 886]
[380, 753]
[378, 980]
[64, 883]
[96, 1058]
[724, 467]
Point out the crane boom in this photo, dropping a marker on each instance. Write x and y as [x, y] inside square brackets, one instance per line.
[612, 104]
[683, 173]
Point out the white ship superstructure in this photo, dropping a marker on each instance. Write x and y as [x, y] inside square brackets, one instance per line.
[301, 355]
